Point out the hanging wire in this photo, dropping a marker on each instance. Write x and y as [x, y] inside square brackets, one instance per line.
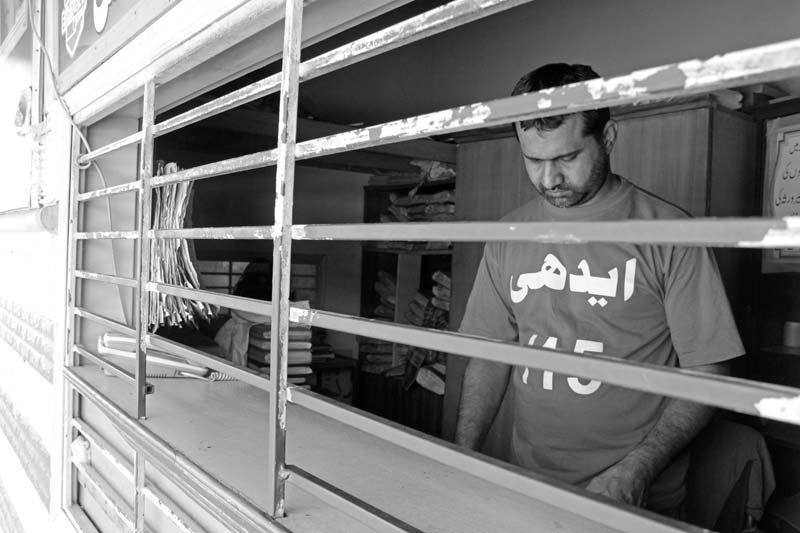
[84, 140]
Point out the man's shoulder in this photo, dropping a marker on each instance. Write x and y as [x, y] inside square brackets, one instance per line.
[645, 204]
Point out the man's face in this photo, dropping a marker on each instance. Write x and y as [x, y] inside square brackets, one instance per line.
[564, 165]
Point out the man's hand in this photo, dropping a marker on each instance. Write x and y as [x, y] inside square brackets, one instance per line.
[621, 484]
[628, 480]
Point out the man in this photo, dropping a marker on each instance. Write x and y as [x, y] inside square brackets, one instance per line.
[656, 304]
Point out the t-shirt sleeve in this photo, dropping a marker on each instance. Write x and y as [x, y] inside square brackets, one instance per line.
[698, 313]
[488, 312]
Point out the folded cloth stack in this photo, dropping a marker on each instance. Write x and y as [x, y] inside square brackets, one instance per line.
[427, 367]
[300, 356]
[436, 207]
[386, 287]
[441, 291]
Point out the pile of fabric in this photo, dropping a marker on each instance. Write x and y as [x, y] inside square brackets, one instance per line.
[300, 356]
[386, 287]
[435, 207]
[428, 367]
[377, 356]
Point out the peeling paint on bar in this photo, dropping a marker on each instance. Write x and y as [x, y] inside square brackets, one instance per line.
[783, 409]
[219, 168]
[227, 233]
[91, 235]
[109, 191]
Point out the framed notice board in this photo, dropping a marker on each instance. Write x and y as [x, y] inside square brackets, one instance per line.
[782, 186]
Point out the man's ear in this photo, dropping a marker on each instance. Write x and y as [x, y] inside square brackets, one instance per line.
[609, 135]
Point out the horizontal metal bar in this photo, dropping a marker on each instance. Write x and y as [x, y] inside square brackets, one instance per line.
[758, 64]
[25, 220]
[157, 497]
[111, 324]
[108, 366]
[133, 138]
[259, 307]
[730, 232]
[561, 495]
[749, 397]
[411, 30]
[93, 235]
[219, 500]
[234, 232]
[109, 191]
[219, 168]
[219, 364]
[117, 510]
[106, 278]
[105, 364]
[365, 513]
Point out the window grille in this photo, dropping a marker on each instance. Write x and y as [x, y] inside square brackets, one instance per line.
[758, 64]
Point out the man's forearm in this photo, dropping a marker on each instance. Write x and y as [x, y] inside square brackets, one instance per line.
[678, 425]
[482, 392]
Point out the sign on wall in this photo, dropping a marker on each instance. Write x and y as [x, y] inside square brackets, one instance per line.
[83, 21]
[782, 186]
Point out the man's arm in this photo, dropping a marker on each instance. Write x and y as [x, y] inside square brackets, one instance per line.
[482, 392]
[681, 421]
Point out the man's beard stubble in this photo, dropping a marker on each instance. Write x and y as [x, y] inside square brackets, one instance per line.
[597, 178]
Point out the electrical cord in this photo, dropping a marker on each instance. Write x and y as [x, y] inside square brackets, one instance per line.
[84, 140]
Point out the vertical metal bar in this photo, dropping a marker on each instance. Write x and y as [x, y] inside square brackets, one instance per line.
[138, 480]
[281, 255]
[143, 248]
[69, 488]
[37, 85]
[142, 319]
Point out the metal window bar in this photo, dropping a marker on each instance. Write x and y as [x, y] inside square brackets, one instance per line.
[282, 256]
[107, 278]
[338, 499]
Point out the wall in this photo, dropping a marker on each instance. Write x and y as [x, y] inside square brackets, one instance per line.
[484, 59]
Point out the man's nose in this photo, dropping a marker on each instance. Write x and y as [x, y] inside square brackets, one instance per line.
[551, 175]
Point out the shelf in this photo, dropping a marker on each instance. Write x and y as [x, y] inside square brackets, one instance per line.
[789, 351]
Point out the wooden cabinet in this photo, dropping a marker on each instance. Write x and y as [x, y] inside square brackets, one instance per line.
[384, 388]
[694, 154]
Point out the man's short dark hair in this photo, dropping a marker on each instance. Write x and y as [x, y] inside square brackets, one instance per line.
[555, 75]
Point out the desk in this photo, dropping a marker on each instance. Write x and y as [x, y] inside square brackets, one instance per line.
[222, 428]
